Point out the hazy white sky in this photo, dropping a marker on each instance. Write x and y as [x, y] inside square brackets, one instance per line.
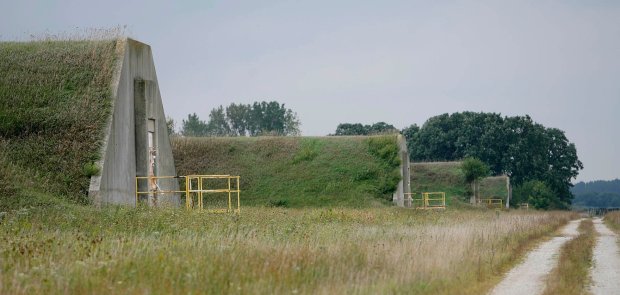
[366, 61]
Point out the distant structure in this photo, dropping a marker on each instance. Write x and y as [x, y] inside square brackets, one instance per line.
[401, 196]
[136, 141]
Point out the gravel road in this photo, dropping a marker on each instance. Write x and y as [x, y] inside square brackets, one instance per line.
[529, 276]
[606, 267]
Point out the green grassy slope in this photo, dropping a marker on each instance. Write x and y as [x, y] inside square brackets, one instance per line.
[493, 187]
[448, 177]
[54, 102]
[298, 171]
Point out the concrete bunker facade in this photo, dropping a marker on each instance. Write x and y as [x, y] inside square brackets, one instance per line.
[136, 140]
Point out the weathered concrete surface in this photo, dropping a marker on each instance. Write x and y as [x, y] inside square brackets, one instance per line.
[119, 163]
[606, 267]
[400, 197]
[528, 277]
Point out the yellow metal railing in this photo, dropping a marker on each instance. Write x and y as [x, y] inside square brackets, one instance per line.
[153, 191]
[428, 200]
[492, 203]
[195, 189]
[198, 186]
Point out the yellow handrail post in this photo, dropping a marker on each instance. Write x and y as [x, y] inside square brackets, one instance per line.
[238, 195]
[187, 196]
[137, 192]
[200, 192]
[229, 200]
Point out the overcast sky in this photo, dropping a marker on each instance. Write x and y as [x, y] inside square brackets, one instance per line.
[401, 62]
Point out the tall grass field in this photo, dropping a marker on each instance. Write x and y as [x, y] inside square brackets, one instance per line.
[64, 248]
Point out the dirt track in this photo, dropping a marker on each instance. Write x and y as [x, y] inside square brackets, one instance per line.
[606, 267]
[528, 277]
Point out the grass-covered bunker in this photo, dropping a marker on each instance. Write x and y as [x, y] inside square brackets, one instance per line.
[356, 171]
[81, 118]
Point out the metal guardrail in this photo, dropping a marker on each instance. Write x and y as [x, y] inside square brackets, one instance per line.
[196, 188]
[428, 200]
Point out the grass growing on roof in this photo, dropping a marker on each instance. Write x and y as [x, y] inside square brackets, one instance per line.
[298, 171]
[54, 102]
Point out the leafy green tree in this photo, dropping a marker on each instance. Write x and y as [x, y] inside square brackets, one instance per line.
[238, 118]
[474, 170]
[218, 124]
[171, 125]
[537, 194]
[346, 129]
[564, 165]
[272, 118]
[193, 126]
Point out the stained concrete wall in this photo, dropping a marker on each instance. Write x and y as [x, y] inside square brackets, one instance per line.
[401, 197]
[124, 153]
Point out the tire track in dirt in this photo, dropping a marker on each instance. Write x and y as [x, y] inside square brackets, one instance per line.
[529, 276]
[605, 271]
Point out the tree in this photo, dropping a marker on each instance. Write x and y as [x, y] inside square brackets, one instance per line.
[238, 118]
[537, 194]
[171, 125]
[350, 129]
[345, 129]
[193, 126]
[474, 170]
[272, 118]
[218, 124]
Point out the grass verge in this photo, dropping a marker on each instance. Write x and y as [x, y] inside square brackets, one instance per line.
[571, 276]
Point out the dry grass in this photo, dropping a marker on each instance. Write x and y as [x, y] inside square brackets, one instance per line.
[571, 276]
[613, 220]
[72, 249]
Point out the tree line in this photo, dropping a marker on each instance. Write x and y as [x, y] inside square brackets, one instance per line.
[258, 118]
[540, 161]
[597, 194]
[345, 129]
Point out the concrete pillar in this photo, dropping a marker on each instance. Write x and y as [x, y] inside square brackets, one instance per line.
[400, 197]
[508, 192]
